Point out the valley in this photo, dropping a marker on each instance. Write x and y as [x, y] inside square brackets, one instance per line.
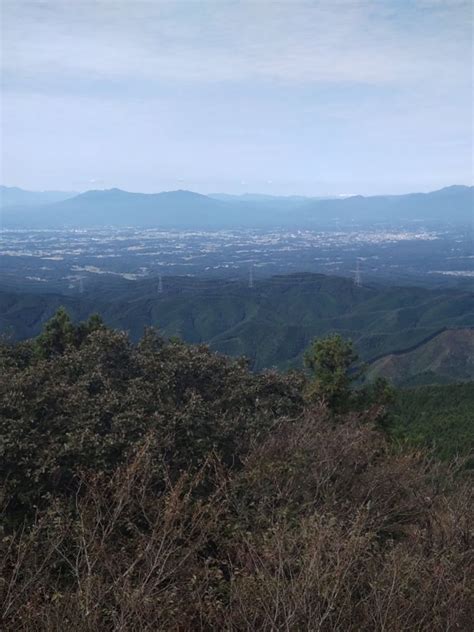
[71, 259]
[252, 275]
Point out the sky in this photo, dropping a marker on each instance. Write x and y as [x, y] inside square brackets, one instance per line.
[298, 97]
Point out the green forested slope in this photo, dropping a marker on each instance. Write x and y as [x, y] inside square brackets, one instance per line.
[271, 323]
[446, 357]
[440, 416]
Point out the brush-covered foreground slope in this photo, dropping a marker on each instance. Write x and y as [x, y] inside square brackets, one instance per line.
[161, 486]
[272, 323]
[446, 357]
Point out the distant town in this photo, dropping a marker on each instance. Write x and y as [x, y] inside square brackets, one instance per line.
[66, 257]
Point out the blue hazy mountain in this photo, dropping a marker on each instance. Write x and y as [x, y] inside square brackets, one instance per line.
[185, 209]
[14, 196]
[114, 206]
[451, 204]
[122, 208]
[280, 202]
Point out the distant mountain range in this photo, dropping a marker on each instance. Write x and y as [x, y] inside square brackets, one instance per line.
[451, 204]
[274, 322]
[185, 209]
[13, 196]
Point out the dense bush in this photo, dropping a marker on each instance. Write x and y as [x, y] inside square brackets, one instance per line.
[164, 487]
[89, 406]
[323, 527]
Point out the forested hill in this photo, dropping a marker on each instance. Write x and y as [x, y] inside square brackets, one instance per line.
[445, 357]
[271, 323]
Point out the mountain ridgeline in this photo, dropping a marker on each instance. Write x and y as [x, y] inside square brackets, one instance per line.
[185, 209]
[16, 197]
[431, 332]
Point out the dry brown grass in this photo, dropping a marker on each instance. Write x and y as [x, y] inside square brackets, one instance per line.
[323, 528]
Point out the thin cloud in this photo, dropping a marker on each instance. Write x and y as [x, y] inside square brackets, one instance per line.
[365, 95]
[356, 42]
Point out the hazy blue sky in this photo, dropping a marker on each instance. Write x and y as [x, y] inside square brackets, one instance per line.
[335, 96]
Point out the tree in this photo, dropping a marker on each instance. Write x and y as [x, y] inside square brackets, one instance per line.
[332, 361]
[338, 378]
[59, 333]
[93, 323]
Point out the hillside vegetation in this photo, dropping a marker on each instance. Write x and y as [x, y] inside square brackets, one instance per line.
[447, 357]
[272, 323]
[441, 417]
[162, 486]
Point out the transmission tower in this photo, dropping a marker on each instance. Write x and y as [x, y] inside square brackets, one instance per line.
[160, 284]
[251, 277]
[357, 275]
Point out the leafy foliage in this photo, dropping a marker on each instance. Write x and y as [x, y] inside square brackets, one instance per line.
[162, 486]
[336, 371]
[87, 396]
[332, 362]
[60, 333]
